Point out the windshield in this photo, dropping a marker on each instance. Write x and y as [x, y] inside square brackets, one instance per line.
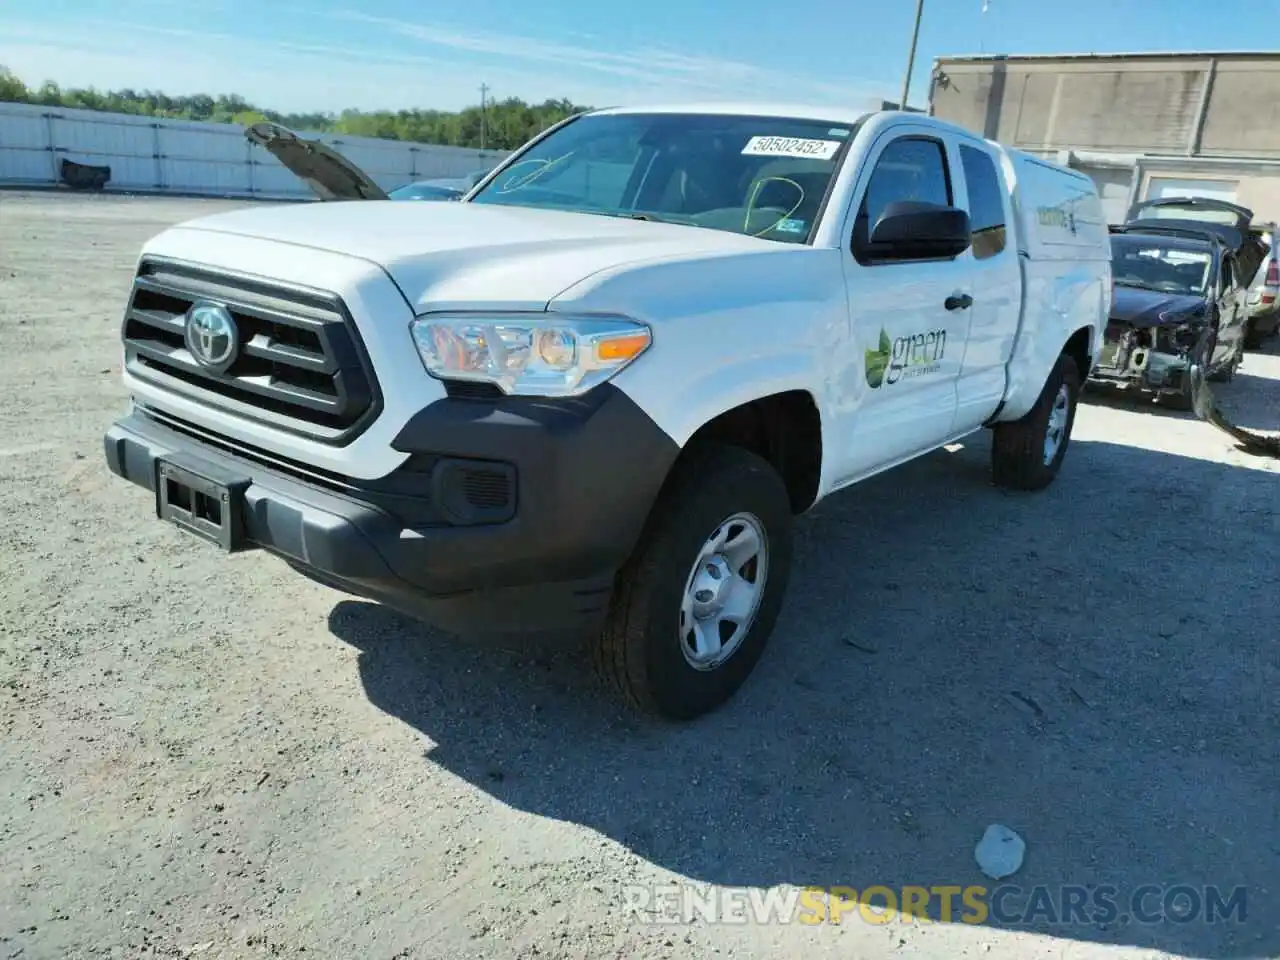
[1151, 265]
[758, 176]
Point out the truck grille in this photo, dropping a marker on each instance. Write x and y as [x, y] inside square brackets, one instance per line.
[300, 366]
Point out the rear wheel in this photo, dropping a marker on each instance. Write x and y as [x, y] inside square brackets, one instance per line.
[696, 603]
[1026, 454]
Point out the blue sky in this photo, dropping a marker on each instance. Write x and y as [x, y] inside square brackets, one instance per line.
[330, 54]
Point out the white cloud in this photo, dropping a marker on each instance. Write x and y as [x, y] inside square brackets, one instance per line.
[437, 67]
[647, 66]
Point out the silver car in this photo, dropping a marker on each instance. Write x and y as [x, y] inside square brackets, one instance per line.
[1264, 291]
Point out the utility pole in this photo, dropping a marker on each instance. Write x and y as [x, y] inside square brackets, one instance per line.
[911, 57]
[484, 90]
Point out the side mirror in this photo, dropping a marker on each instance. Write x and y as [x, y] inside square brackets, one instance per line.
[915, 230]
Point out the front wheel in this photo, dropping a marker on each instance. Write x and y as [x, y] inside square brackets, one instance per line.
[1026, 454]
[1227, 372]
[1183, 400]
[695, 605]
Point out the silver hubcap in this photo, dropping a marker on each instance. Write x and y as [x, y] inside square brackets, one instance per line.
[722, 593]
[1057, 430]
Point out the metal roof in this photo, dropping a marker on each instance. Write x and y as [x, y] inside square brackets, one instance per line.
[1143, 55]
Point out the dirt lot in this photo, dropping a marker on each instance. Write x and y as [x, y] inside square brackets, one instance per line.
[211, 757]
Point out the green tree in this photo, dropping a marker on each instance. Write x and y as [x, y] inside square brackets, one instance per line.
[50, 96]
[506, 124]
[12, 90]
[247, 118]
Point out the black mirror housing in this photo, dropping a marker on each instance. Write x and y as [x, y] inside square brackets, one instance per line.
[915, 230]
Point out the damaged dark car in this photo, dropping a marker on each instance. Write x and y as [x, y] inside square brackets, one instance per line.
[1180, 272]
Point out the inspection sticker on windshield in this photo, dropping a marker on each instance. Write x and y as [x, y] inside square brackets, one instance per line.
[791, 147]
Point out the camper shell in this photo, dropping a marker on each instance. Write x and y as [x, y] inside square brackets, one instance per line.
[1065, 219]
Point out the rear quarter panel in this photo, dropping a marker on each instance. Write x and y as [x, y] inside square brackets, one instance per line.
[1065, 251]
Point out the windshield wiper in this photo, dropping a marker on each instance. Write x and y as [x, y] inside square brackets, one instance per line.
[627, 215]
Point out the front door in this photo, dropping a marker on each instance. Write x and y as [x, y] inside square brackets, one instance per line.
[909, 321]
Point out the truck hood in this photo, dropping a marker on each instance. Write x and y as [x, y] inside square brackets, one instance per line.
[477, 256]
[1145, 308]
[331, 175]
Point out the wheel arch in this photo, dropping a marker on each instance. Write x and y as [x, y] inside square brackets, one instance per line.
[1081, 348]
[1031, 367]
[783, 428]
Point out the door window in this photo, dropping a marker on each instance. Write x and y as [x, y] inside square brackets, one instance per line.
[909, 168]
[986, 202]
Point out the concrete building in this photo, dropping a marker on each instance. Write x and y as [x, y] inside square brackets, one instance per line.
[1142, 125]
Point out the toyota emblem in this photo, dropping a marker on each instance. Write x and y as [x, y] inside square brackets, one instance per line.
[211, 335]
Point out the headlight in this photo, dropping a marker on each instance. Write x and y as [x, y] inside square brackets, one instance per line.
[529, 354]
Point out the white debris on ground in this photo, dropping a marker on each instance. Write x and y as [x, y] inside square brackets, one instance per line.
[1000, 851]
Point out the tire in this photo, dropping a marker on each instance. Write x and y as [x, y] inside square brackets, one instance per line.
[1228, 372]
[1252, 337]
[1182, 400]
[1018, 448]
[640, 654]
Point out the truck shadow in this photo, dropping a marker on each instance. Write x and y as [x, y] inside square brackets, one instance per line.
[1106, 395]
[1093, 666]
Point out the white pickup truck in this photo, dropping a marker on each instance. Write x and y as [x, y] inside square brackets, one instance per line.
[596, 392]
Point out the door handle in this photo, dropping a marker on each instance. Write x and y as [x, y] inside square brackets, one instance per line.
[958, 301]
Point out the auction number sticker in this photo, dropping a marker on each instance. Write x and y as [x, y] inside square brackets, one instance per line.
[791, 147]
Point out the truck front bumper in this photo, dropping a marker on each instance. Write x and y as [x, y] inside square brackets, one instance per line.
[512, 515]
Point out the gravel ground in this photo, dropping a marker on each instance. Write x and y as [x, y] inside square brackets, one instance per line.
[212, 757]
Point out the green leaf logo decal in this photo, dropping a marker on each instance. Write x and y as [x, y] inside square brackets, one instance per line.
[878, 360]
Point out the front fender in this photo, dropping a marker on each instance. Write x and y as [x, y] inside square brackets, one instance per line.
[729, 327]
[680, 406]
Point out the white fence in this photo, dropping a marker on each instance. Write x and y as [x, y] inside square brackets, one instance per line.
[150, 155]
